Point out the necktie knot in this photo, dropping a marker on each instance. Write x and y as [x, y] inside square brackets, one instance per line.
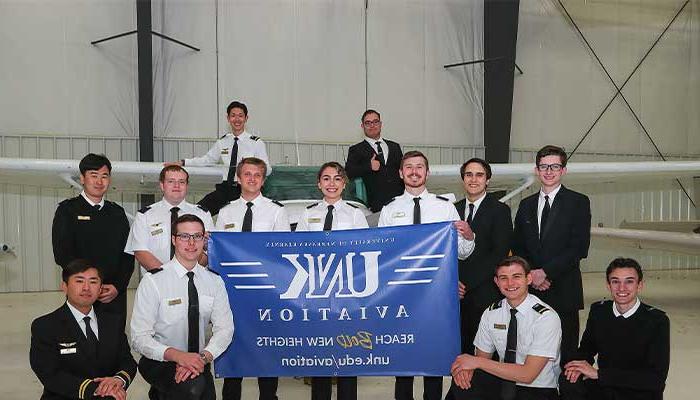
[174, 210]
[249, 204]
[96, 207]
[330, 207]
[190, 275]
[87, 320]
[513, 311]
[546, 198]
[416, 200]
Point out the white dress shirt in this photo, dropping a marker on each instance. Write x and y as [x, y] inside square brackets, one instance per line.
[159, 318]
[268, 216]
[539, 334]
[345, 216]
[248, 146]
[78, 315]
[382, 143]
[541, 201]
[477, 203]
[627, 313]
[92, 203]
[433, 209]
[151, 228]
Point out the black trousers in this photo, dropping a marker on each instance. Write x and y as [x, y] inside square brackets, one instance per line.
[266, 385]
[224, 193]
[432, 388]
[321, 388]
[161, 377]
[488, 387]
[569, 335]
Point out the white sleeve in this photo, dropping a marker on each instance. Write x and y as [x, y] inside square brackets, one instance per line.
[143, 321]
[359, 219]
[213, 156]
[483, 341]
[464, 247]
[138, 235]
[222, 321]
[261, 153]
[546, 336]
[303, 225]
[208, 221]
[384, 217]
[281, 221]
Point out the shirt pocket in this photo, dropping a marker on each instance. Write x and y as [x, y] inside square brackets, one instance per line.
[206, 306]
[174, 310]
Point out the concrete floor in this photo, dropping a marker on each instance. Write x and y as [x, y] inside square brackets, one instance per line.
[676, 292]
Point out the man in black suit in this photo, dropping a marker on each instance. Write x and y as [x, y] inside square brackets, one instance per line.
[92, 228]
[78, 352]
[377, 161]
[553, 232]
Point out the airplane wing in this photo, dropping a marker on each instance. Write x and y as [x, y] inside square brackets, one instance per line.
[686, 243]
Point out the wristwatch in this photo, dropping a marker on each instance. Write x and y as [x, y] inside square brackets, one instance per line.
[204, 357]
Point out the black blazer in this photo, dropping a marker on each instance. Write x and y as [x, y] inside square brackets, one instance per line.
[58, 358]
[564, 243]
[494, 230]
[383, 185]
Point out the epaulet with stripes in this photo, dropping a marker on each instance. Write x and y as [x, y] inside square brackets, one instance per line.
[253, 137]
[144, 210]
[351, 205]
[212, 271]
[201, 207]
[442, 198]
[278, 203]
[312, 206]
[223, 136]
[393, 199]
[495, 306]
[540, 308]
[154, 270]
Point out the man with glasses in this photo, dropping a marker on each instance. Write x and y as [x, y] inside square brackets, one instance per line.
[149, 239]
[173, 309]
[552, 231]
[377, 161]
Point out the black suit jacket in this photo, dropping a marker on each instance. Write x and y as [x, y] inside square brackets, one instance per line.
[565, 241]
[493, 229]
[383, 185]
[58, 357]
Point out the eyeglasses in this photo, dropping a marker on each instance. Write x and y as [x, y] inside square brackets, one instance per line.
[185, 237]
[474, 174]
[373, 122]
[552, 167]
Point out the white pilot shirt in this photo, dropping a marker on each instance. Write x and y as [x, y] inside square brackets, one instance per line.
[345, 216]
[151, 228]
[159, 318]
[433, 209]
[78, 315]
[248, 146]
[268, 216]
[539, 334]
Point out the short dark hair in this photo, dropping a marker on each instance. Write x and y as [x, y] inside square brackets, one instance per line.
[332, 164]
[622, 262]
[251, 161]
[237, 104]
[551, 150]
[93, 162]
[512, 260]
[414, 153]
[477, 160]
[173, 168]
[370, 111]
[77, 266]
[186, 218]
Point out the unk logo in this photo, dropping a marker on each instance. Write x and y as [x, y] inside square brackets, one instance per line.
[326, 275]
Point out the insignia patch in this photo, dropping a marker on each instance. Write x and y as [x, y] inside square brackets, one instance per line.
[540, 308]
[71, 344]
[83, 218]
[157, 232]
[399, 214]
[229, 226]
[174, 302]
[157, 224]
[72, 350]
[500, 326]
[314, 220]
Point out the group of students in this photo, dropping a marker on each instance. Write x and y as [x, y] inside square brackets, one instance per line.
[80, 350]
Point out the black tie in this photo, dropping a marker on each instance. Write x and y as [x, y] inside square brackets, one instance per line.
[234, 161]
[471, 214]
[545, 215]
[248, 218]
[173, 218]
[96, 207]
[380, 153]
[508, 387]
[416, 210]
[328, 223]
[192, 316]
[91, 338]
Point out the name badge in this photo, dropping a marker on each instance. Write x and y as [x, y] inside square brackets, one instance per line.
[224, 151]
[399, 214]
[72, 350]
[156, 232]
[500, 326]
[83, 218]
[229, 226]
[174, 302]
[314, 220]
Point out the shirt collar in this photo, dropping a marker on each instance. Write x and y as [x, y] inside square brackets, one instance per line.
[529, 299]
[101, 203]
[629, 312]
[243, 135]
[169, 206]
[373, 142]
[181, 271]
[551, 194]
[338, 204]
[78, 315]
[423, 195]
[478, 201]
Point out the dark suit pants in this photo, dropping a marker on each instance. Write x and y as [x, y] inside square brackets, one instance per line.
[488, 387]
[224, 193]
[161, 376]
[569, 335]
[432, 388]
[266, 385]
[321, 388]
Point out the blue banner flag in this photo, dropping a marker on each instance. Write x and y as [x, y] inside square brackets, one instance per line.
[378, 301]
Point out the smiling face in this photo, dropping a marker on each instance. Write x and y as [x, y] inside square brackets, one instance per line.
[372, 126]
[174, 186]
[624, 286]
[251, 178]
[549, 178]
[82, 289]
[95, 183]
[513, 282]
[237, 119]
[414, 172]
[188, 250]
[331, 183]
[475, 181]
